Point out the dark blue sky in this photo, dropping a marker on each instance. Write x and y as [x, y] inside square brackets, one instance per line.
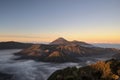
[44, 20]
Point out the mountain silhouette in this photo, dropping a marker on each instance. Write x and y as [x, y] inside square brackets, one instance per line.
[59, 41]
[62, 41]
[14, 45]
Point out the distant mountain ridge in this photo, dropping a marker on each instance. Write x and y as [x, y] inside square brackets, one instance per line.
[14, 45]
[62, 50]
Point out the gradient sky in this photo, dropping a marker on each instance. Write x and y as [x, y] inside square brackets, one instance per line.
[46, 20]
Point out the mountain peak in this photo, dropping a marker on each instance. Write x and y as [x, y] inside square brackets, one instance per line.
[60, 40]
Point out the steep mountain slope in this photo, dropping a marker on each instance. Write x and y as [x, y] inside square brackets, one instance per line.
[81, 43]
[47, 53]
[59, 41]
[62, 51]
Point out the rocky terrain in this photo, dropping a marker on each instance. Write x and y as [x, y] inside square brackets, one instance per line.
[14, 45]
[108, 70]
[62, 50]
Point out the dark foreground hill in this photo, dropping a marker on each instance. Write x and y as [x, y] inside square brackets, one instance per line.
[5, 76]
[109, 70]
[14, 45]
[62, 50]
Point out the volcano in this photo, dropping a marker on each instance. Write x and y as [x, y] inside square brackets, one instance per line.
[62, 50]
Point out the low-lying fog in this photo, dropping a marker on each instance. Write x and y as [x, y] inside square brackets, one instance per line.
[31, 70]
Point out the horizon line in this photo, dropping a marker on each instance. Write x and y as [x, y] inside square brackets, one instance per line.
[45, 42]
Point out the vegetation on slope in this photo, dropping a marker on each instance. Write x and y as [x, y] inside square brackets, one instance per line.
[109, 70]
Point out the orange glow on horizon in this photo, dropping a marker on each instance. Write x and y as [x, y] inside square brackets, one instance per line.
[49, 39]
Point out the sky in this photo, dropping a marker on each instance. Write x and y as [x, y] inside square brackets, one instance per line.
[93, 21]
